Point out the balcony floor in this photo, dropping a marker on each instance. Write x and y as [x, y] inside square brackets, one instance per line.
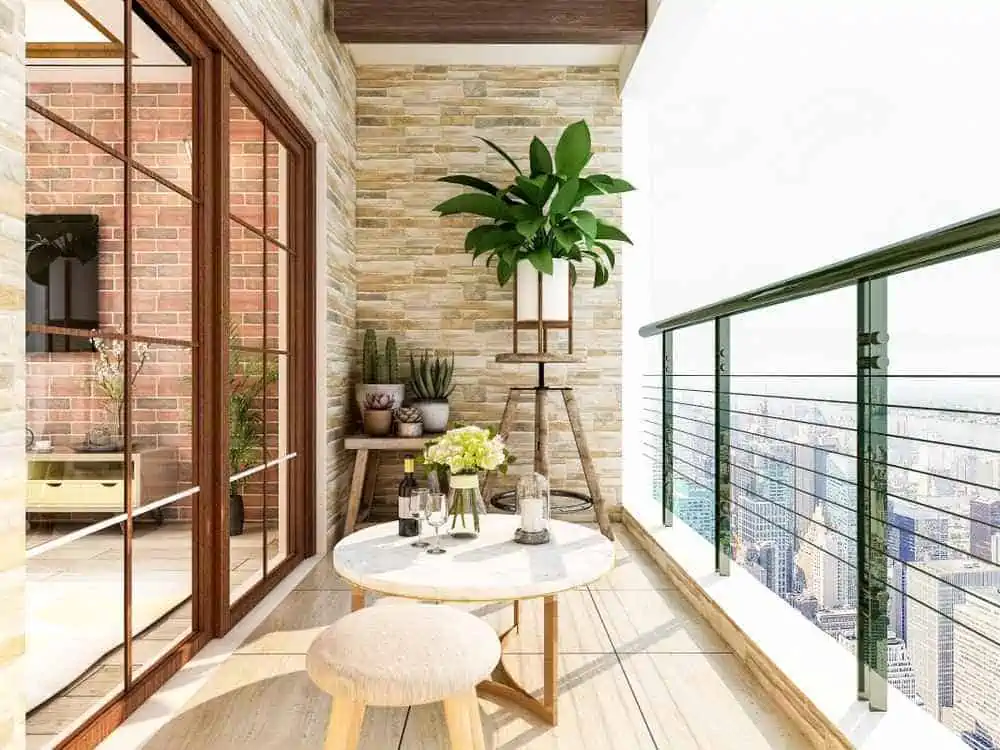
[638, 669]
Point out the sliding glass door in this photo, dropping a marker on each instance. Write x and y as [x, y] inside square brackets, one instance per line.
[169, 449]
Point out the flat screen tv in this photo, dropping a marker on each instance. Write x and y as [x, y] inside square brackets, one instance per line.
[62, 284]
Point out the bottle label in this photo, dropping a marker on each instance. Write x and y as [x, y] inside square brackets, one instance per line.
[404, 507]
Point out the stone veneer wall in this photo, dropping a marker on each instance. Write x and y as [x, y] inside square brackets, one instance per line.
[417, 123]
[318, 74]
[12, 464]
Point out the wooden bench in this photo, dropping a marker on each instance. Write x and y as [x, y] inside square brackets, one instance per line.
[366, 464]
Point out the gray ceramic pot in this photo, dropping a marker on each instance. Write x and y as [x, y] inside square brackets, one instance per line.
[435, 415]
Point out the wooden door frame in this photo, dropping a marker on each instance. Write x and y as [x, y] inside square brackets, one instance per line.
[216, 56]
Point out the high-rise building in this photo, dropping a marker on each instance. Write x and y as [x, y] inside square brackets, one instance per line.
[842, 621]
[912, 536]
[995, 548]
[930, 631]
[695, 506]
[977, 664]
[984, 522]
[900, 669]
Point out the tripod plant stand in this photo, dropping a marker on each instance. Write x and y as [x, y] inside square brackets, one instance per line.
[542, 393]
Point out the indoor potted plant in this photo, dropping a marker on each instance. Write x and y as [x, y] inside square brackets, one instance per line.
[379, 372]
[248, 378]
[537, 225]
[409, 422]
[378, 414]
[464, 452]
[430, 383]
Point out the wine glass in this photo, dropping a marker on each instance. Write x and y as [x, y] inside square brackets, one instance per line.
[436, 514]
[418, 509]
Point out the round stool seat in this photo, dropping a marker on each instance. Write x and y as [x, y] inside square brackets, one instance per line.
[403, 655]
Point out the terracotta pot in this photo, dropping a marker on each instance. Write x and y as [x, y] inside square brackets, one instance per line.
[378, 423]
[361, 391]
[409, 429]
[435, 415]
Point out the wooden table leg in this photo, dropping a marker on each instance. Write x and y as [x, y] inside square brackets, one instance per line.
[357, 487]
[550, 698]
[357, 598]
[371, 483]
[589, 472]
[506, 421]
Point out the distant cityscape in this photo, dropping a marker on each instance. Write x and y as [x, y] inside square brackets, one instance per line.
[793, 525]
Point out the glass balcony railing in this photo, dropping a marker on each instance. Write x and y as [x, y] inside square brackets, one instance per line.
[838, 436]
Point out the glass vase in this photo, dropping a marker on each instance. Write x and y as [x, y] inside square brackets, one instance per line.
[465, 506]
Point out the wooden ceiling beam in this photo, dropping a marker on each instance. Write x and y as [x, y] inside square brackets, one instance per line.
[489, 21]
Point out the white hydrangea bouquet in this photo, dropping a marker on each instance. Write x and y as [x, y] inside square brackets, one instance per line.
[464, 452]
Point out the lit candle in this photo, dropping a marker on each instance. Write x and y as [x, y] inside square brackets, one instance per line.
[532, 509]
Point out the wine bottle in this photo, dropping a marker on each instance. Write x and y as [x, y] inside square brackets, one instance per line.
[408, 526]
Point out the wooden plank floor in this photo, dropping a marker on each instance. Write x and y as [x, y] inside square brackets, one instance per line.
[638, 670]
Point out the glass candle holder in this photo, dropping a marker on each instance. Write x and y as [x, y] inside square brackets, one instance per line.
[533, 507]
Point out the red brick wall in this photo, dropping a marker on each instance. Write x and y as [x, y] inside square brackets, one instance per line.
[67, 175]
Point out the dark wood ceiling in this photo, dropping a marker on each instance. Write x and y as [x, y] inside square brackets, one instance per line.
[489, 21]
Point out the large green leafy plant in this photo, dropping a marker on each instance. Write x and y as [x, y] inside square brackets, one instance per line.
[540, 216]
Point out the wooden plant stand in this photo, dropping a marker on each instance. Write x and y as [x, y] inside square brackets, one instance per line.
[542, 391]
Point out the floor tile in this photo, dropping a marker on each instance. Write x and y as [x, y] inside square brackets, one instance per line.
[323, 577]
[633, 569]
[266, 702]
[684, 696]
[655, 622]
[294, 625]
[597, 711]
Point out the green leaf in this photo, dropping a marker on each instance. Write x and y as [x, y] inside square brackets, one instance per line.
[504, 272]
[529, 191]
[529, 228]
[573, 151]
[474, 203]
[586, 221]
[549, 186]
[567, 237]
[587, 189]
[472, 182]
[608, 184]
[601, 274]
[611, 232]
[541, 260]
[497, 237]
[523, 213]
[563, 202]
[541, 159]
[572, 274]
[474, 235]
[502, 153]
[607, 251]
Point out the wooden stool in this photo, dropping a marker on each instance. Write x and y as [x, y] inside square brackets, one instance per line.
[404, 655]
[541, 391]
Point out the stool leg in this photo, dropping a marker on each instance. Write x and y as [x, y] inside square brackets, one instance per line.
[475, 723]
[346, 718]
[459, 720]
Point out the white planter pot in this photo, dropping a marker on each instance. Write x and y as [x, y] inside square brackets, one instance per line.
[361, 391]
[435, 415]
[555, 292]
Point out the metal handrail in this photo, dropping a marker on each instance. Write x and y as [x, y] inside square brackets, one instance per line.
[965, 238]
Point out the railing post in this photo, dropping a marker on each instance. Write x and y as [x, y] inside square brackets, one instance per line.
[667, 428]
[872, 504]
[723, 487]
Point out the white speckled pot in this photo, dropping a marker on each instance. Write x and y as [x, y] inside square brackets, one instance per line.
[435, 415]
[361, 391]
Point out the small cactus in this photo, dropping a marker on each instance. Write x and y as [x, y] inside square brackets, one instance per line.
[370, 358]
[409, 415]
[379, 402]
[391, 361]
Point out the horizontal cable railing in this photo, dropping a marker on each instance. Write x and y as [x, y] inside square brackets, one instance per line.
[876, 517]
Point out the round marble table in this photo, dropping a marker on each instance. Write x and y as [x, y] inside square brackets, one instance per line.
[490, 568]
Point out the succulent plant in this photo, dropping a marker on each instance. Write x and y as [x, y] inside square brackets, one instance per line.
[378, 369]
[379, 402]
[409, 415]
[430, 380]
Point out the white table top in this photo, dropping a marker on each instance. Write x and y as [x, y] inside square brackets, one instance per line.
[490, 568]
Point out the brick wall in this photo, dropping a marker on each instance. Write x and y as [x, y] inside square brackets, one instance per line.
[11, 374]
[417, 123]
[68, 175]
